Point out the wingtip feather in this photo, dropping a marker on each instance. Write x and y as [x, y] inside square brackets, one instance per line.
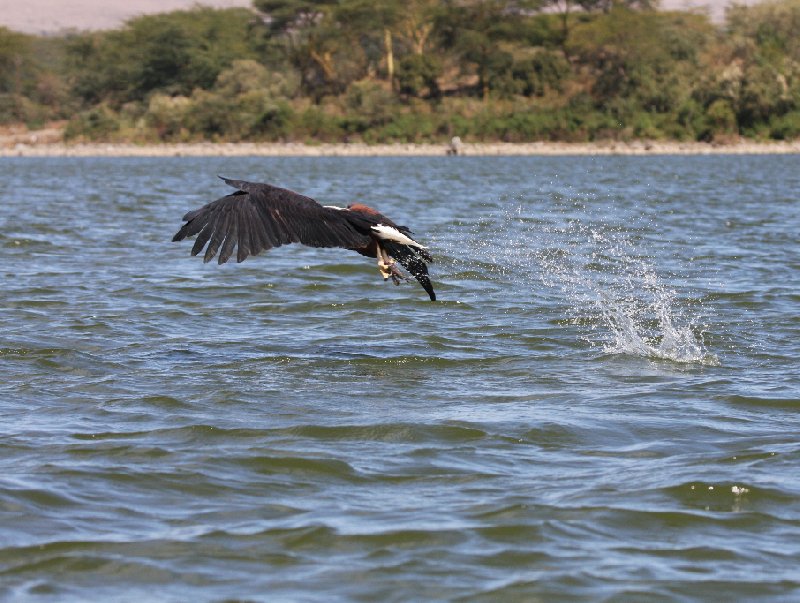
[241, 185]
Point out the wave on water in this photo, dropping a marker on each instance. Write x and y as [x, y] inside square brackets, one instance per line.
[609, 287]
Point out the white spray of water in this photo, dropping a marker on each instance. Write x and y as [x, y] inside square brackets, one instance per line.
[608, 286]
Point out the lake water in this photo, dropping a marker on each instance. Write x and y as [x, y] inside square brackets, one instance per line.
[604, 405]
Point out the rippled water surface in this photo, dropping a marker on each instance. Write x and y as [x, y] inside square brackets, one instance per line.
[603, 406]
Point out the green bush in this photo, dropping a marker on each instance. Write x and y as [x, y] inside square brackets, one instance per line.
[315, 123]
[408, 127]
[721, 118]
[97, 123]
[274, 122]
[171, 53]
[417, 74]
[371, 100]
[11, 110]
[167, 116]
[546, 71]
[247, 75]
[644, 126]
[785, 127]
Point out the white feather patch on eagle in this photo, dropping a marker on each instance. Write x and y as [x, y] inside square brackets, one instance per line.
[392, 234]
[334, 207]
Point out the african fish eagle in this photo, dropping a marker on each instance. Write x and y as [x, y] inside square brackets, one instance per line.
[261, 216]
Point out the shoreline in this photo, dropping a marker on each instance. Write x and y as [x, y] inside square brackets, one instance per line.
[245, 149]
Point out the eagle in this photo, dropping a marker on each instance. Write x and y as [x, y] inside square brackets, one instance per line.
[258, 216]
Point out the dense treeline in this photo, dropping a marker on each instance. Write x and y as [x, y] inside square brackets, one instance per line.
[415, 70]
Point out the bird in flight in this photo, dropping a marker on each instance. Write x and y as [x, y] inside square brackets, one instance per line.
[259, 216]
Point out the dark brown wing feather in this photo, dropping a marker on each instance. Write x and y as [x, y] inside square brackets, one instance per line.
[258, 217]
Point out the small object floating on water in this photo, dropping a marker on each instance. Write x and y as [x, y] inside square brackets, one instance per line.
[259, 216]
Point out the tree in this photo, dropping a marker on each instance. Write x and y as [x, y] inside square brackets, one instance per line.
[335, 43]
[760, 63]
[15, 55]
[419, 73]
[316, 44]
[641, 61]
[173, 53]
[31, 87]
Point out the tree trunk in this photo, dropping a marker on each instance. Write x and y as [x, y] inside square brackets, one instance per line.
[387, 40]
[565, 24]
[420, 37]
[325, 61]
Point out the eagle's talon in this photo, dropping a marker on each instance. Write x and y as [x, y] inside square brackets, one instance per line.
[386, 268]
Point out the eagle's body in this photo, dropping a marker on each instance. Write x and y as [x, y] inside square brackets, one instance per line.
[258, 217]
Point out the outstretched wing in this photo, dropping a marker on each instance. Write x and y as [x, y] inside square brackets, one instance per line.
[258, 217]
[414, 260]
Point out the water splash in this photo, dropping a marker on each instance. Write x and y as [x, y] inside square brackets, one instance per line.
[609, 288]
[635, 311]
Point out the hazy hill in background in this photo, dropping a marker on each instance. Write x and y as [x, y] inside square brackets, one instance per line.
[49, 16]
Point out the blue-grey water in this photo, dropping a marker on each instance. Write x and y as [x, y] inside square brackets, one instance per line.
[605, 405]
